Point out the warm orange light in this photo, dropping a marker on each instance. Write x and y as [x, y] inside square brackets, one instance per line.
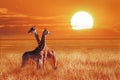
[82, 20]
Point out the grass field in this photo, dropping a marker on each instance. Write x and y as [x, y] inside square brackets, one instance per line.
[75, 60]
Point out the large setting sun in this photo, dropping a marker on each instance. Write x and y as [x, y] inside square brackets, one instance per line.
[82, 20]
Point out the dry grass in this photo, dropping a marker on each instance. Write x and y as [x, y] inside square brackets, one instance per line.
[75, 64]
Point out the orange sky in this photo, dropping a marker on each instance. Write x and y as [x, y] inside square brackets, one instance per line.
[16, 17]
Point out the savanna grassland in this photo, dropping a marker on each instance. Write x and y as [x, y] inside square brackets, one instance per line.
[76, 60]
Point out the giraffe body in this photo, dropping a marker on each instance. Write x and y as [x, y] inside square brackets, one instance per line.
[47, 54]
[36, 54]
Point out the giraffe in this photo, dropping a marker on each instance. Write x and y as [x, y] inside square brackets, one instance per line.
[36, 54]
[48, 54]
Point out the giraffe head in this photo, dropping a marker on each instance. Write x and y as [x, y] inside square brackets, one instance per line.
[32, 30]
[46, 32]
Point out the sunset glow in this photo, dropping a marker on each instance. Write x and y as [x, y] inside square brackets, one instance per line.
[82, 20]
[84, 40]
[103, 22]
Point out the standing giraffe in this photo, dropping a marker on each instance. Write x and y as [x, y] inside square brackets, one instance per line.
[36, 54]
[48, 54]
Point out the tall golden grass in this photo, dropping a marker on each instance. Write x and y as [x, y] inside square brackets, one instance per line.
[73, 64]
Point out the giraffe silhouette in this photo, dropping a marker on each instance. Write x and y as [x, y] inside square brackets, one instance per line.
[36, 54]
[47, 54]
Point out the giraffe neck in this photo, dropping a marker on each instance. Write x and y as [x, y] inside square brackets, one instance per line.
[36, 37]
[41, 45]
[42, 38]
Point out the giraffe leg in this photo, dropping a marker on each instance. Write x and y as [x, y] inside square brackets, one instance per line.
[52, 57]
[41, 58]
[38, 64]
[24, 60]
[54, 62]
[23, 64]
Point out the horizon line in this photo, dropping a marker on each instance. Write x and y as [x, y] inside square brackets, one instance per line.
[68, 39]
